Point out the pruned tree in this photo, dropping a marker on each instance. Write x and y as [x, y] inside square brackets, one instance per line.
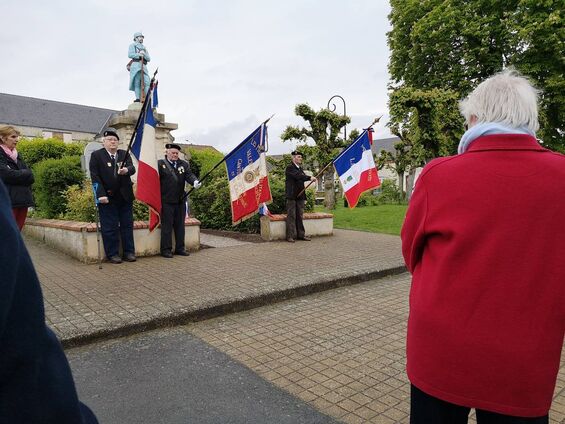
[323, 129]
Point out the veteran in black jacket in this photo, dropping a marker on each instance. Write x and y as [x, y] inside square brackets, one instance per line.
[36, 385]
[295, 198]
[15, 174]
[114, 190]
[174, 173]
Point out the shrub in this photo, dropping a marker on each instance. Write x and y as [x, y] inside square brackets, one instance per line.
[203, 160]
[52, 178]
[80, 204]
[388, 193]
[37, 149]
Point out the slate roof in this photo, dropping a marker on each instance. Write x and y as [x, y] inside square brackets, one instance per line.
[51, 115]
[386, 144]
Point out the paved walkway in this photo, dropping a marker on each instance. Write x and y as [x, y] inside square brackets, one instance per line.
[341, 351]
[84, 303]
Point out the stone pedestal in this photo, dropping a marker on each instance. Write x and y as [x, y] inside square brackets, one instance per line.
[124, 123]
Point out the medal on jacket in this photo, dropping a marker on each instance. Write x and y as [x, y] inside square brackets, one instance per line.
[109, 164]
[181, 169]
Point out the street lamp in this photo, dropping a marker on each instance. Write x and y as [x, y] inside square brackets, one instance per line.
[333, 108]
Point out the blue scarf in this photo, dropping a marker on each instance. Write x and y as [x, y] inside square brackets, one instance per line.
[488, 128]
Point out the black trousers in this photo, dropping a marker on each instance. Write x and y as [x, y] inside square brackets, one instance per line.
[426, 409]
[172, 218]
[294, 216]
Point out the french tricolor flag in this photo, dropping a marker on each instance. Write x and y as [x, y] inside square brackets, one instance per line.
[148, 185]
[247, 174]
[356, 168]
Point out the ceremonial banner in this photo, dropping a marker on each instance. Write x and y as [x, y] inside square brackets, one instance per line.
[356, 168]
[148, 185]
[247, 175]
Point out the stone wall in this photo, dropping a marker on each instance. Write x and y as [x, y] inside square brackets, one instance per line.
[79, 239]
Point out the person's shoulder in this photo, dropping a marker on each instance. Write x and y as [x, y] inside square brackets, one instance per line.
[439, 164]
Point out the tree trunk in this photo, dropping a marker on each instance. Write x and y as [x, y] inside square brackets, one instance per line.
[329, 192]
[410, 183]
[401, 184]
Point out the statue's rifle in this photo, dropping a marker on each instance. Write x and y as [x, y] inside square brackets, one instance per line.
[142, 82]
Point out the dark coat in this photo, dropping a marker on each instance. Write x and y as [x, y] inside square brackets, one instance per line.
[294, 183]
[110, 184]
[172, 189]
[18, 179]
[36, 385]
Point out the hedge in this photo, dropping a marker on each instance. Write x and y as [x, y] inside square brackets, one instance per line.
[35, 150]
[52, 179]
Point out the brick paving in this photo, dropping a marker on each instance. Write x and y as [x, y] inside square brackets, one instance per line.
[341, 351]
[83, 302]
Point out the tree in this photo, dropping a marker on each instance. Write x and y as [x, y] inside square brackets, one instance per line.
[452, 45]
[539, 33]
[324, 129]
[428, 123]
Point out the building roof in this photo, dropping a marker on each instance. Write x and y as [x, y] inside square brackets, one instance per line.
[51, 115]
[386, 144]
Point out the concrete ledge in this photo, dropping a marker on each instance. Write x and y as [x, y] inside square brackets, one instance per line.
[316, 224]
[79, 239]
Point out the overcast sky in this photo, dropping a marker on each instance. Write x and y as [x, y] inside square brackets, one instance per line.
[224, 65]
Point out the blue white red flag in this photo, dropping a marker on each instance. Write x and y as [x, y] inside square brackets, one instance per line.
[247, 175]
[264, 210]
[356, 168]
[148, 185]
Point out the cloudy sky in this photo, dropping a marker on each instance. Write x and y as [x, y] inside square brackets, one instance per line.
[224, 65]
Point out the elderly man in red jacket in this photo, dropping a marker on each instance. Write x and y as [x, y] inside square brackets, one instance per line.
[485, 242]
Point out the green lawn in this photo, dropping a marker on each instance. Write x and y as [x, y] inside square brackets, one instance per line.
[386, 219]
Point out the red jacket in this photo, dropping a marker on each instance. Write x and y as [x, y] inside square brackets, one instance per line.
[484, 239]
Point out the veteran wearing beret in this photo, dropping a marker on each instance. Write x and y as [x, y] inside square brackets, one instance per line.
[174, 173]
[110, 171]
[295, 198]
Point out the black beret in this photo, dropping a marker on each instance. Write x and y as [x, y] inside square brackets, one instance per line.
[172, 146]
[111, 131]
[296, 153]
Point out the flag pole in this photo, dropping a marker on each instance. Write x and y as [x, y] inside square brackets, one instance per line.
[94, 189]
[333, 160]
[317, 175]
[224, 159]
[141, 115]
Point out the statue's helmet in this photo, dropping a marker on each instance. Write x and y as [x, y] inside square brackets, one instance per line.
[137, 34]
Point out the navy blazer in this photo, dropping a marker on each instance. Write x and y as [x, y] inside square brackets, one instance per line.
[36, 385]
[111, 184]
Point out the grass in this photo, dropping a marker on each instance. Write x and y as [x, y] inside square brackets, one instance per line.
[385, 219]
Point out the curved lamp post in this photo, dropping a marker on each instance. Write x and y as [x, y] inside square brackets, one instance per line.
[333, 108]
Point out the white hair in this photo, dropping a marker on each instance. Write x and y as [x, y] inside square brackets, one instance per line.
[507, 98]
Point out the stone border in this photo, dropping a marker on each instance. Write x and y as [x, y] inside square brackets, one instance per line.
[80, 240]
[316, 224]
